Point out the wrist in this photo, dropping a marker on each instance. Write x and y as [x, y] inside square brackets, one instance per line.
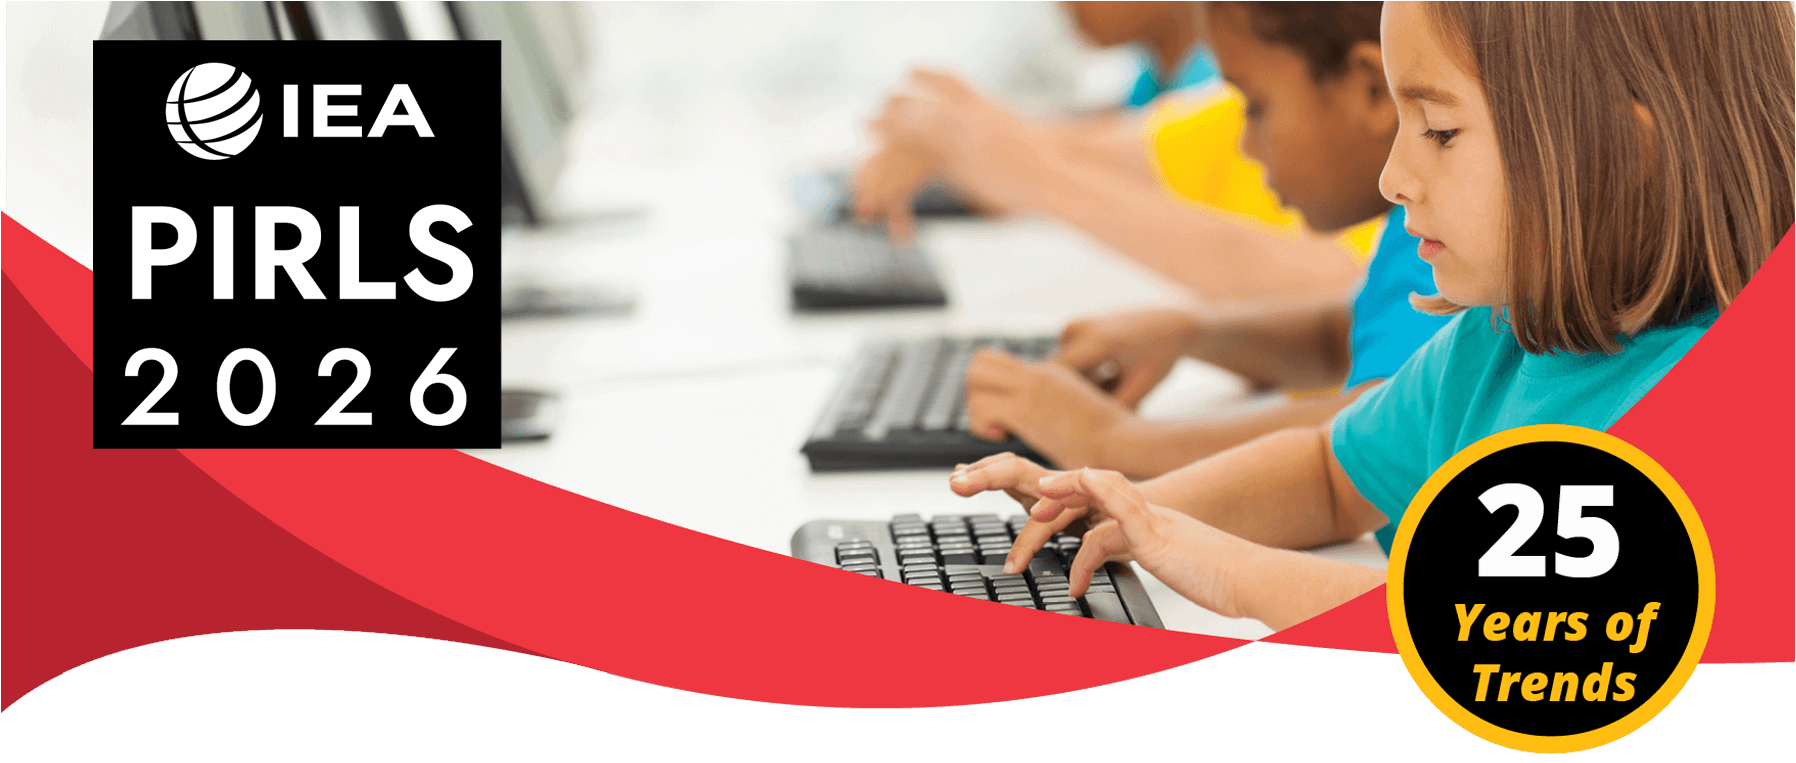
[1117, 442]
[1243, 568]
[1190, 332]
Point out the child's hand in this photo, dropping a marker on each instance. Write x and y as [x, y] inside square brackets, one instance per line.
[987, 151]
[1018, 477]
[1057, 411]
[885, 184]
[1135, 349]
[1193, 558]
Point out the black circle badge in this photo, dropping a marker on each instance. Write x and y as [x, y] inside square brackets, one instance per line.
[1551, 588]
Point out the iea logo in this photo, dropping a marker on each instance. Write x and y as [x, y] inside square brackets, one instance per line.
[213, 111]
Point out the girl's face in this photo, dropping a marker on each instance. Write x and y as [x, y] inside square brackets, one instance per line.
[1444, 168]
[1320, 144]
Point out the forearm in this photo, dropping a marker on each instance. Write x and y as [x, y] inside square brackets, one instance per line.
[1114, 140]
[1218, 258]
[1283, 588]
[1297, 344]
[1152, 448]
[1277, 491]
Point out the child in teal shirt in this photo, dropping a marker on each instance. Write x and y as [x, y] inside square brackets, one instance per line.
[1581, 268]
[1471, 381]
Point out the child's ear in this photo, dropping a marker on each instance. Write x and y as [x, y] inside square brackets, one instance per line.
[1365, 68]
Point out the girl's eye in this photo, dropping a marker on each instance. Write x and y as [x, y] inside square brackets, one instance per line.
[1440, 136]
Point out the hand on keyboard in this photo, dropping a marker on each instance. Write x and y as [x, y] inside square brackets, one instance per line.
[1021, 479]
[1054, 409]
[1018, 477]
[1193, 558]
[1138, 348]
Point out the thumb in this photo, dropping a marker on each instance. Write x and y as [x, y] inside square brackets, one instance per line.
[1136, 383]
[1078, 351]
[901, 223]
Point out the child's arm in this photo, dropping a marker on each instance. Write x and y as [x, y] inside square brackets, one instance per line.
[1068, 420]
[1219, 258]
[1152, 448]
[1288, 344]
[1284, 490]
[1221, 572]
[989, 153]
[1074, 424]
[1227, 573]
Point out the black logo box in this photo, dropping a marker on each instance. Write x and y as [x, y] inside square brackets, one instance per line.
[390, 178]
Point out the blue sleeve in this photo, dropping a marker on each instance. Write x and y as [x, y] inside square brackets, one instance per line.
[1381, 441]
[1386, 328]
[1146, 89]
[1199, 69]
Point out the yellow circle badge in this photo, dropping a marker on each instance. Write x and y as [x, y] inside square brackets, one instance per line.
[1551, 588]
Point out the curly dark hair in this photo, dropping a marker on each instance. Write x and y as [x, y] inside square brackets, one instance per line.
[1321, 33]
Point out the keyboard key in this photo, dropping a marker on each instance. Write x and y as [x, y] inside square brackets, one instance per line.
[949, 393]
[904, 391]
[960, 556]
[858, 555]
[1046, 568]
[1107, 606]
[988, 556]
[907, 519]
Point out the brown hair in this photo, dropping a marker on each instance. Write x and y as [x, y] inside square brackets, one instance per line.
[1619, 224]
[1321, 33]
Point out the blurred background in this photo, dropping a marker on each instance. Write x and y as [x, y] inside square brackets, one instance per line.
[657, 85]
[662, 164]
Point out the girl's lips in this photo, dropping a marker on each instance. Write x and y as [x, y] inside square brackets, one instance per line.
[1429, 249]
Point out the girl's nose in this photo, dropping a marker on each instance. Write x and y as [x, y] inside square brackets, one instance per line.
[1396, 182]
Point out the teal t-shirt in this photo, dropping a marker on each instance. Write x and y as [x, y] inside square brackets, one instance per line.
[1198, 68]
[1386, 330]
[1471, 381]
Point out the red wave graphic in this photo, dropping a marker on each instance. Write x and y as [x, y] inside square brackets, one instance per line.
[107, 550]
[1720, 424]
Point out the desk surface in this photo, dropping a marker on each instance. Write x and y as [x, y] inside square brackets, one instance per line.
[692, 408]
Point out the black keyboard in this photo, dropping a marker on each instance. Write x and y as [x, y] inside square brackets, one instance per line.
[846, 266]
[965, 556]
[902, 405]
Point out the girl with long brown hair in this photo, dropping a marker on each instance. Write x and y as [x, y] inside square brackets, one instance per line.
[1593, 184]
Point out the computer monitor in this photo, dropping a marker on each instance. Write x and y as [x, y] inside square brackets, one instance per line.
[210, 21]
[355, 21]
[534, 102]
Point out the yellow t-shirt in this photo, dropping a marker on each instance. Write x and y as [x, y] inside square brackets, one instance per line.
[1196, 138]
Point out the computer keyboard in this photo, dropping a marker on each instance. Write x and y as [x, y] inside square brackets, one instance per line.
[846, 266]
[964, 555]
[902, 405]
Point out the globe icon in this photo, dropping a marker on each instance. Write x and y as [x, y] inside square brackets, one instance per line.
[213, 112]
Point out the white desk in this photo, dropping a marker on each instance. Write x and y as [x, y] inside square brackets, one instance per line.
[692, 409]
